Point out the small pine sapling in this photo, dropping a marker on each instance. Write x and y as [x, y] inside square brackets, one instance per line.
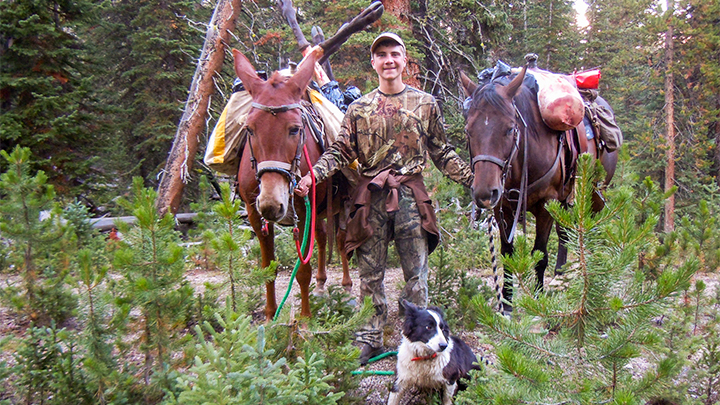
[235, 366]
[579, 344]
[231, 245]
[33, 243]
[151, 262]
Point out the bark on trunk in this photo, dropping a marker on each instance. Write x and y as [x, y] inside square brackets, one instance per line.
[669, 224]
[192, 123]
[401, 10]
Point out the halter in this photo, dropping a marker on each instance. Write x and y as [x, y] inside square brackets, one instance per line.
[289, 170]
[505, 166]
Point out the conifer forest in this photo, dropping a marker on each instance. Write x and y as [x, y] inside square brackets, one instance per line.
[156, 310]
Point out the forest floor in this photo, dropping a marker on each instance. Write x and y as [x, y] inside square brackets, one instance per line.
[374, 388]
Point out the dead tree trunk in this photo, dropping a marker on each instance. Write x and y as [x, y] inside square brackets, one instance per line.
[669, 223]
[185, 145]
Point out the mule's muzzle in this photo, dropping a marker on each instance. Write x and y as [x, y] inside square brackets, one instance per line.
[487, 198]
[273, 201]
[273, 212]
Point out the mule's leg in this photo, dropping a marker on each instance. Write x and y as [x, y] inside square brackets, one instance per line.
[543, 226]
[562, 246]
[321, 241]
[346, 280]
[304, 273]
[267, 253]
[562, 250]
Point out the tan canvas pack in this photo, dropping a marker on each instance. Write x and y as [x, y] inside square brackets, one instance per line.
[602, 119]
[223, 149]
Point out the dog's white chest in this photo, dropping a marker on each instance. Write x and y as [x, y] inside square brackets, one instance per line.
[421, 372]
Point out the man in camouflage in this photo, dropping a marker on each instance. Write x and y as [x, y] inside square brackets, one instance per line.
[389, 131]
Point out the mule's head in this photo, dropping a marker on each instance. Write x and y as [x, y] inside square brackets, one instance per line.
[276, 131]
[492, 133]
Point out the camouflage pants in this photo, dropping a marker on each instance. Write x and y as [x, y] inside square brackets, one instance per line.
[402, 226]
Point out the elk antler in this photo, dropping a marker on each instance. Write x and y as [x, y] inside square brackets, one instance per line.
[368, 16]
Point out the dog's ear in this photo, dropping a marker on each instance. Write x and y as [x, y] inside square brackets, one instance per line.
[437, 310]
[408, 306]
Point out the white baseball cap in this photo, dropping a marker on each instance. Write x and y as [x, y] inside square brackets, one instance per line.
[386, 35]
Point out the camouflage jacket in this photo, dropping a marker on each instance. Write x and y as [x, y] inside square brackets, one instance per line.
[393, 132]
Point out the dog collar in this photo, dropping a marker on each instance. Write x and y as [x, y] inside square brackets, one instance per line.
[430, 357]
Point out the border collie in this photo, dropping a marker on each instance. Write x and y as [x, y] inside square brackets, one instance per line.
[428, 357]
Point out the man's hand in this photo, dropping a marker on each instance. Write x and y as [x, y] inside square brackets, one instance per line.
[303, 186]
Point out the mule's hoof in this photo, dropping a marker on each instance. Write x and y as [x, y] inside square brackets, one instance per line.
[319, 291]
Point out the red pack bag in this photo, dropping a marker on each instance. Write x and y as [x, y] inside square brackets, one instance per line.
[588, 80]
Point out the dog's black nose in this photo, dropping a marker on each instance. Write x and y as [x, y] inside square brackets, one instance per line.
[443, 346]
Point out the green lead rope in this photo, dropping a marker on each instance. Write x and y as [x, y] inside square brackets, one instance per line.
[292, 279]
[297, 263]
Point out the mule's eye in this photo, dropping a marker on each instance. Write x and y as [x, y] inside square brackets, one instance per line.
[294, 131]
[510, 132]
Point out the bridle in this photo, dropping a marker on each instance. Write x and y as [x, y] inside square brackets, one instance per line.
[505, 166]
[290, 170]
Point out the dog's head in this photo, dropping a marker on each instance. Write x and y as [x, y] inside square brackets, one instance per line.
[425, 326]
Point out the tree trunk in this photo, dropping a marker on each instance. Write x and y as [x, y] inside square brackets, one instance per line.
[669, 224]
[401, 10]
[185, 145]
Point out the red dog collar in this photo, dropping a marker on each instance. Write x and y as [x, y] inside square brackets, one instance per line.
[430, 357]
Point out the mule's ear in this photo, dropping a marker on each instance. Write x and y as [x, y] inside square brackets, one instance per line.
[468, 85]
[300, 80]
[512, 89]
[246, 71]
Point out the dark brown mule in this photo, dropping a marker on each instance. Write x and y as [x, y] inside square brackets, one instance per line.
[507, 138]
[272, 162]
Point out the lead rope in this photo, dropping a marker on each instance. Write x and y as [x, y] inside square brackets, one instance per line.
[497, 280]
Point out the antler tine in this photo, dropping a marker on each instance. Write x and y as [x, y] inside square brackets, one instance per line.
[368, 16]
[290, 15]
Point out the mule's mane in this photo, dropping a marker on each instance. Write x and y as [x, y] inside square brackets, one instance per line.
[277, 78]
[525, 100]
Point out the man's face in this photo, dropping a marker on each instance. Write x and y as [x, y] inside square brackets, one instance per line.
[389, 61]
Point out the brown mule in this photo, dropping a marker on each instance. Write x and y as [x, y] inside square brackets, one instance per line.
[272, 161]
[517, 161]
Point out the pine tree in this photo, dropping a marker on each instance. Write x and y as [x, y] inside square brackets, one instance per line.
[46, 101]
[148, 49]
[547, 28]
[151, 262]
[33, 241]
[576, 344]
